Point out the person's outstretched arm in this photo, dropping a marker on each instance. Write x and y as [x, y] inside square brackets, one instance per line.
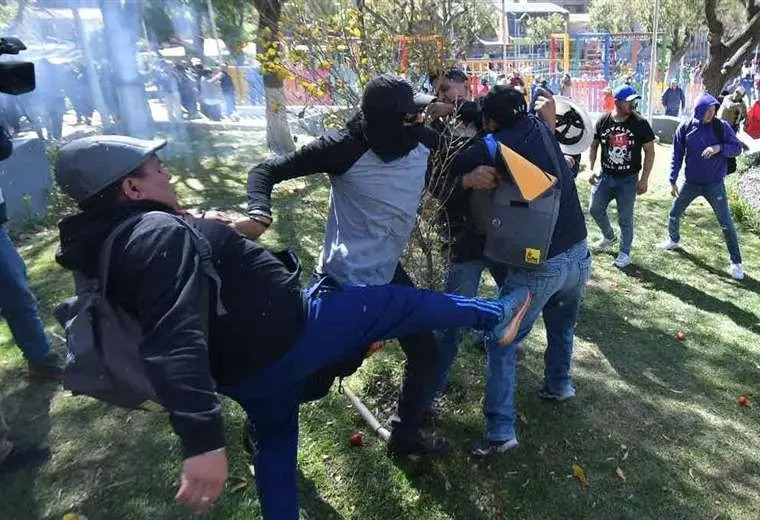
[333, 153]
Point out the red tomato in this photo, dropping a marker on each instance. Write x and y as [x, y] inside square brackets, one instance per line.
[357, 439]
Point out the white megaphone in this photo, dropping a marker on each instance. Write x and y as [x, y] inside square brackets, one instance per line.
[574, 130]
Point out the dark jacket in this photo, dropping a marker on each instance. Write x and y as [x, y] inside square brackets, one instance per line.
[691, 139]
[155, 277]
[226, 84]
[525, 139]
[462, 242]
[674, 101]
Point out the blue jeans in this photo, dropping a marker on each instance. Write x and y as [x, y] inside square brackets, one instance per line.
[18, 305]
[340, 323]
[715, 193]
[557, 287]
[463, 279]
[623, 190]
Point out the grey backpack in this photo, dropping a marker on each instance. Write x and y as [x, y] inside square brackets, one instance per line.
[103, 341]
[518, 232]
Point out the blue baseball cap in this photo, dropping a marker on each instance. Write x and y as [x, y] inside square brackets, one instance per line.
[625, 93]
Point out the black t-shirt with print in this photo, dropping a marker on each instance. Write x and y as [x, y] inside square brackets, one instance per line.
[622, 143]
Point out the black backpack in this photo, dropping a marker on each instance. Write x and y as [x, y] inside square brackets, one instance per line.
[103, 341]
[717, 126]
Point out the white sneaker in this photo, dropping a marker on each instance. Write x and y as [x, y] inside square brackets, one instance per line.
[622, 260]
[604, 243]
[668, 245]
[737, 273]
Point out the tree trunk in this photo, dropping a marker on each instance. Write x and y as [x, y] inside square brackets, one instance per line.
[674, 66]
[92, 76]
[279, 139]
[727, 57]
[121, 27]
[18, 18]
[712, 78]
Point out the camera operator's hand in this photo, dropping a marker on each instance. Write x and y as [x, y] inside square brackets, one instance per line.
[481, 178]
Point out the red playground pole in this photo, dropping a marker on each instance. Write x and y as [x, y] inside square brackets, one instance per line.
[553, 55]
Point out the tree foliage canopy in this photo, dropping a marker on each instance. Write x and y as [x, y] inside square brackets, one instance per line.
[234, 20]
[679, 21]
[540, 28]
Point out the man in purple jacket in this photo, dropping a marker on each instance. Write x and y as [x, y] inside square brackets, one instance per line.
[707, 143]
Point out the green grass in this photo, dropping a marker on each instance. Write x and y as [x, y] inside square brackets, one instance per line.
[665, 412]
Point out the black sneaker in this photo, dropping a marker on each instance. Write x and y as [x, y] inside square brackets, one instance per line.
[486, 448]
[23, 456]
[50, 368]
[423, 446]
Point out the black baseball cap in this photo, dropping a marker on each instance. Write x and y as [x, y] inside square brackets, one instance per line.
[505, 105]
[389, 95]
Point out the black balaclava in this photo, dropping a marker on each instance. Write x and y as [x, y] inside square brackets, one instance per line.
[386, 100]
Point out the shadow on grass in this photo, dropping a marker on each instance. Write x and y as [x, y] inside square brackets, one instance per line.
[212, 173]
[313, 506]
[696, 297]
[27, 412]
[748, 283]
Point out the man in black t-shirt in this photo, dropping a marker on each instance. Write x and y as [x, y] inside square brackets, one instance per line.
[623, 134]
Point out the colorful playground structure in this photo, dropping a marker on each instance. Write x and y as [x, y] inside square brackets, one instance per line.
[596, 63]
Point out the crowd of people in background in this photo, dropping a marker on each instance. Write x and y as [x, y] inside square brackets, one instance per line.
[191, 90]
[188, 89]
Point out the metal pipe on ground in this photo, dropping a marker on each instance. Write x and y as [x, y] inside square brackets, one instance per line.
[368, 416]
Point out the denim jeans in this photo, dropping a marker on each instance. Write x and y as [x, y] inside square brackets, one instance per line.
[340, 323]
[463, 279]
[18, 305]
[623, 190]
[557, 287]
[715, 193]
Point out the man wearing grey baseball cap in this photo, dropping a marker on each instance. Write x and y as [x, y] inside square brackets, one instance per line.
[273, 337]
[90, 169]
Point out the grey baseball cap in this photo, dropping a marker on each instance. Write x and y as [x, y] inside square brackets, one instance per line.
[87, 166]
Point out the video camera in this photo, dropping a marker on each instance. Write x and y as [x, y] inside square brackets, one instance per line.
[16, 77]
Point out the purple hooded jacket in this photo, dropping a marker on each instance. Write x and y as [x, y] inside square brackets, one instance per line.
[691, 139]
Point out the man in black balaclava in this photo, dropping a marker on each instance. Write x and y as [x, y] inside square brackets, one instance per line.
[377, 168]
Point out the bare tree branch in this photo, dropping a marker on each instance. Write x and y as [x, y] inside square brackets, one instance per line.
[379, 19]
[749, 30]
